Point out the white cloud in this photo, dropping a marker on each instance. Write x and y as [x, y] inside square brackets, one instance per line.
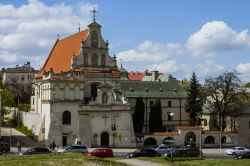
[243, 68]
[217, 36]
[165, 67]
[29, 31]
[149, 51]
[208, 68]
[7, 58]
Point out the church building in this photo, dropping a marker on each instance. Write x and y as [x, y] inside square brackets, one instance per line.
[77, 94]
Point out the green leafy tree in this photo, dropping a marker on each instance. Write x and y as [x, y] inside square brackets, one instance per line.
[155, 117]
[7, 100]
[247, 85]
[138, 116]
[224, 92]
[194, 100]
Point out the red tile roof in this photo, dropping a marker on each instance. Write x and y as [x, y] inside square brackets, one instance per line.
[136, 75]
[59, 59]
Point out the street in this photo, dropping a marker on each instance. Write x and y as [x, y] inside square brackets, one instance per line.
[118, 152]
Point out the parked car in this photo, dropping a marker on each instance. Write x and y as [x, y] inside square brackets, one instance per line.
[101, 152]
[37, 150]
[162, 149]
[235, 150]
[192, 151]
[73, 148]
[143, 153]
[242, 155]
[176, 153]
[4, 147]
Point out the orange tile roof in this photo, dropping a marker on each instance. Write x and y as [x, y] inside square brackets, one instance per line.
[136, 76]
[60, 56]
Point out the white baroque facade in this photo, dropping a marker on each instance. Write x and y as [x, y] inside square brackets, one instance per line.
[77, 95]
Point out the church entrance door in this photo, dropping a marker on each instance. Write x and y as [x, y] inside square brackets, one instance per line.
[105, 139]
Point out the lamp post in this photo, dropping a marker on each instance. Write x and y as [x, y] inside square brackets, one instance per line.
[200, 135]
[172, 116]
[0, 112]
[200, 119]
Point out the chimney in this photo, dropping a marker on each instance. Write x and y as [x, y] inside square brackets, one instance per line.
[155, 75]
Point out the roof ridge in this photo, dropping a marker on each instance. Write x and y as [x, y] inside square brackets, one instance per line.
[73, 35]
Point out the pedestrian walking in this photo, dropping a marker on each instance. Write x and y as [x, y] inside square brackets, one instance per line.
[19, 146]
[53, 145]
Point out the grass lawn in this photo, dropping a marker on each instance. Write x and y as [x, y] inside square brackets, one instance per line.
[198, 161]
[67, 159]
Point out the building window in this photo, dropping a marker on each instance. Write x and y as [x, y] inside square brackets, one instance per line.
[205, 122]
[169, 104]
[66, 117]
[22, 77]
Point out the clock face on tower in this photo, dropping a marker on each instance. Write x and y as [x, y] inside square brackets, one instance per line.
[94, 39]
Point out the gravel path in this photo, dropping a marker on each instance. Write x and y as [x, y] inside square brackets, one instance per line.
[136, 162]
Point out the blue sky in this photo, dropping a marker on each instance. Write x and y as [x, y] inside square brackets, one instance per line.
[172, 36]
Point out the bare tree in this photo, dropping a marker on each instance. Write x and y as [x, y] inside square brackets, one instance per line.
[224, 92]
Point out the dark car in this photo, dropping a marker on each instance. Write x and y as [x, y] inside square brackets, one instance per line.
[192, 151]
[242, 155]
[177, 153]
[143, 153]
[162, 149]
[4, 147]
[101, 152]
[38, 150]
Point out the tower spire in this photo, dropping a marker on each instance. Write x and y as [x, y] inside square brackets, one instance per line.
[94, 12]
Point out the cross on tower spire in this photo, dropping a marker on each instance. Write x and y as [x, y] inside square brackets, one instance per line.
[94, 12]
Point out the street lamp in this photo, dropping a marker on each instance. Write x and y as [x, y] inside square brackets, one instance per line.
[0, 111]
[172, 116]
[200, 135]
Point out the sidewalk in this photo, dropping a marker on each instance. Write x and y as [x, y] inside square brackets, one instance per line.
[136, 162]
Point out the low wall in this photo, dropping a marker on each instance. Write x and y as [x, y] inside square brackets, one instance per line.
[30, 120]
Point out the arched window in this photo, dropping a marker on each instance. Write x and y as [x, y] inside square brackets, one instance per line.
[66, 119]
[94, 60]
[210, 140]
[86, 59]
[150, 141]
[103, 60]
[104, 98]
